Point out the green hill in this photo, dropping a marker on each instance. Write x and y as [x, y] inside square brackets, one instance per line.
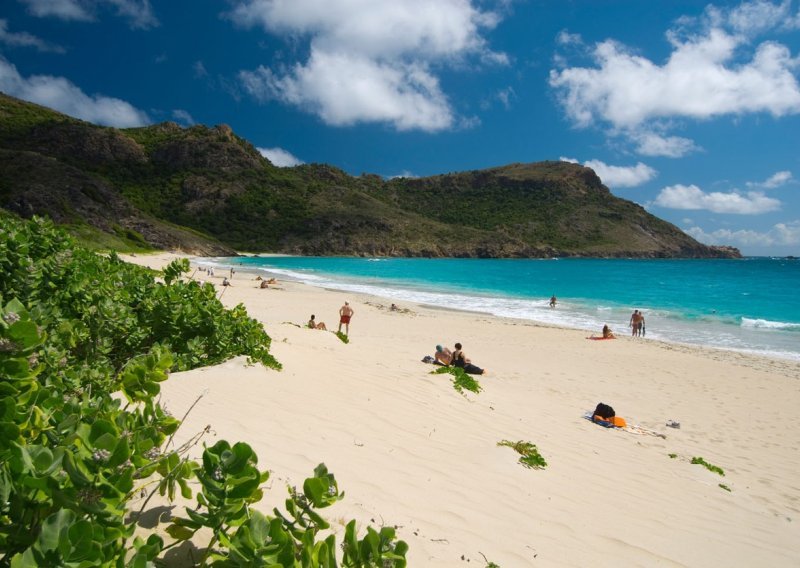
[207, 191]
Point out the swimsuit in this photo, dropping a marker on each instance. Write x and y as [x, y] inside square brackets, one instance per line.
[345, 319]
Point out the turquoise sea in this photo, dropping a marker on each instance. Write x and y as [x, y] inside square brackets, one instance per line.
[750, 304]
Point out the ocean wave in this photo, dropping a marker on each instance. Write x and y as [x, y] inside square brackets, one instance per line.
[766, 324]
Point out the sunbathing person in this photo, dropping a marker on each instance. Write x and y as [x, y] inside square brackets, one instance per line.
[607, 333]
[461, 360]
[443, 356]
[314, 325]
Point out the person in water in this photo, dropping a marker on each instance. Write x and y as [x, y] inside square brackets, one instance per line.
[459, 359]
[443, 356]
[314, 325]
[553, 301]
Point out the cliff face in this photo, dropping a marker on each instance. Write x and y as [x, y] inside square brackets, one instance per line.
[207, 191]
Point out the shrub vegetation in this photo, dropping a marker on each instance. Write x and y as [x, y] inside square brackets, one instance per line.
[85, 341]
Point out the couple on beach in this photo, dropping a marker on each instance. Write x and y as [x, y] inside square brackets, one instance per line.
[445, 357]
[637, 324]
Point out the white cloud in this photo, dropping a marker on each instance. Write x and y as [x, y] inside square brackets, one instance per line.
[183, 117]
[138, 12]
[775, 180]
[61, 94]
[62, 9]
[345, 89]
[199, 69]
[566, 38]
[369, 61]
[651, 144]
[619, 176]
[24, 39]
[279, 157]
[781, 234]
[711, 73]
[692, 197]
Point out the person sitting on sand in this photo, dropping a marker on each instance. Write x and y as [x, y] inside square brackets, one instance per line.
[461, 360]
[607, 333]
[443, 356]
[314, 325]
[264, 284]
[272, 281]
[225, 281]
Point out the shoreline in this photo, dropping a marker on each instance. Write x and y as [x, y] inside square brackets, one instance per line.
[410, 451]
[770, 354]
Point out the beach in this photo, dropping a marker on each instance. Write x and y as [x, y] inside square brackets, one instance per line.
[410, 451]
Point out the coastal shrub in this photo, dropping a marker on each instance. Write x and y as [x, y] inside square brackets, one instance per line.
[85, 341]
[710, 467]
[529, 453]
[342, 336]
[461, 379]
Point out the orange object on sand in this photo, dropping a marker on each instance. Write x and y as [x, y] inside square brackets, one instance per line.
[618, 421]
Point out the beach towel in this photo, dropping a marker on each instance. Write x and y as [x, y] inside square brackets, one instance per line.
[613, 422]
[600, 338]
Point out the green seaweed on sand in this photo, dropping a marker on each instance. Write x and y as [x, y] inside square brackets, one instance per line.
[461, 380]
[342, 336]
[673, 456]
[725, 487]
[708, 466]
[530, 456]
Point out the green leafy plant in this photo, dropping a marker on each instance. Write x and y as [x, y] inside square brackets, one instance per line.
[342, 336]
[673, 456]
[85, 342]
[725, 487]
[530, 456]
[461, 379]
[708, 466]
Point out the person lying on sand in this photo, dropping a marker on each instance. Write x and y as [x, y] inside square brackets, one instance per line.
[314, 325]
[459, 359]
[443, 356]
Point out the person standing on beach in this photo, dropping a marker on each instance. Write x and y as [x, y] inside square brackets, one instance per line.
[637, 320]
[345, 313]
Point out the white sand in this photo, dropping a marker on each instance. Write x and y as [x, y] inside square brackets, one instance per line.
[410, 451]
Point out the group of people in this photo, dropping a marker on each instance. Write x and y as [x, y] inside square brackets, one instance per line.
[457, 358]
[636, 324]
[345, 314]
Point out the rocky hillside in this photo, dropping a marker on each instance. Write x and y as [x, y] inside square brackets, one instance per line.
[207, 191]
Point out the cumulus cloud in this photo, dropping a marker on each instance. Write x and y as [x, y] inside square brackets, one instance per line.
[280, 157]
[651, 144]
[692, 197]
[781, 234]
[618, 176]
[369, 61]
[138, 12]
[711, 73]
[24, 39]
[775, 180]
[61, 94]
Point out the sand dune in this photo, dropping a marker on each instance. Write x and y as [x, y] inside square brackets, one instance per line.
[410, 451]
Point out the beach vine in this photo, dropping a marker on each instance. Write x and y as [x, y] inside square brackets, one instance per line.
[85, 341]
[461, 379]
[529, 453]
[710, 467]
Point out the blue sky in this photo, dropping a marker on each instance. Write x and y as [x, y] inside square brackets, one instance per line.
[688, 108]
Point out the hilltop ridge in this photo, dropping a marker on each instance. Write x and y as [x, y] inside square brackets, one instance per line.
[206, 190]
